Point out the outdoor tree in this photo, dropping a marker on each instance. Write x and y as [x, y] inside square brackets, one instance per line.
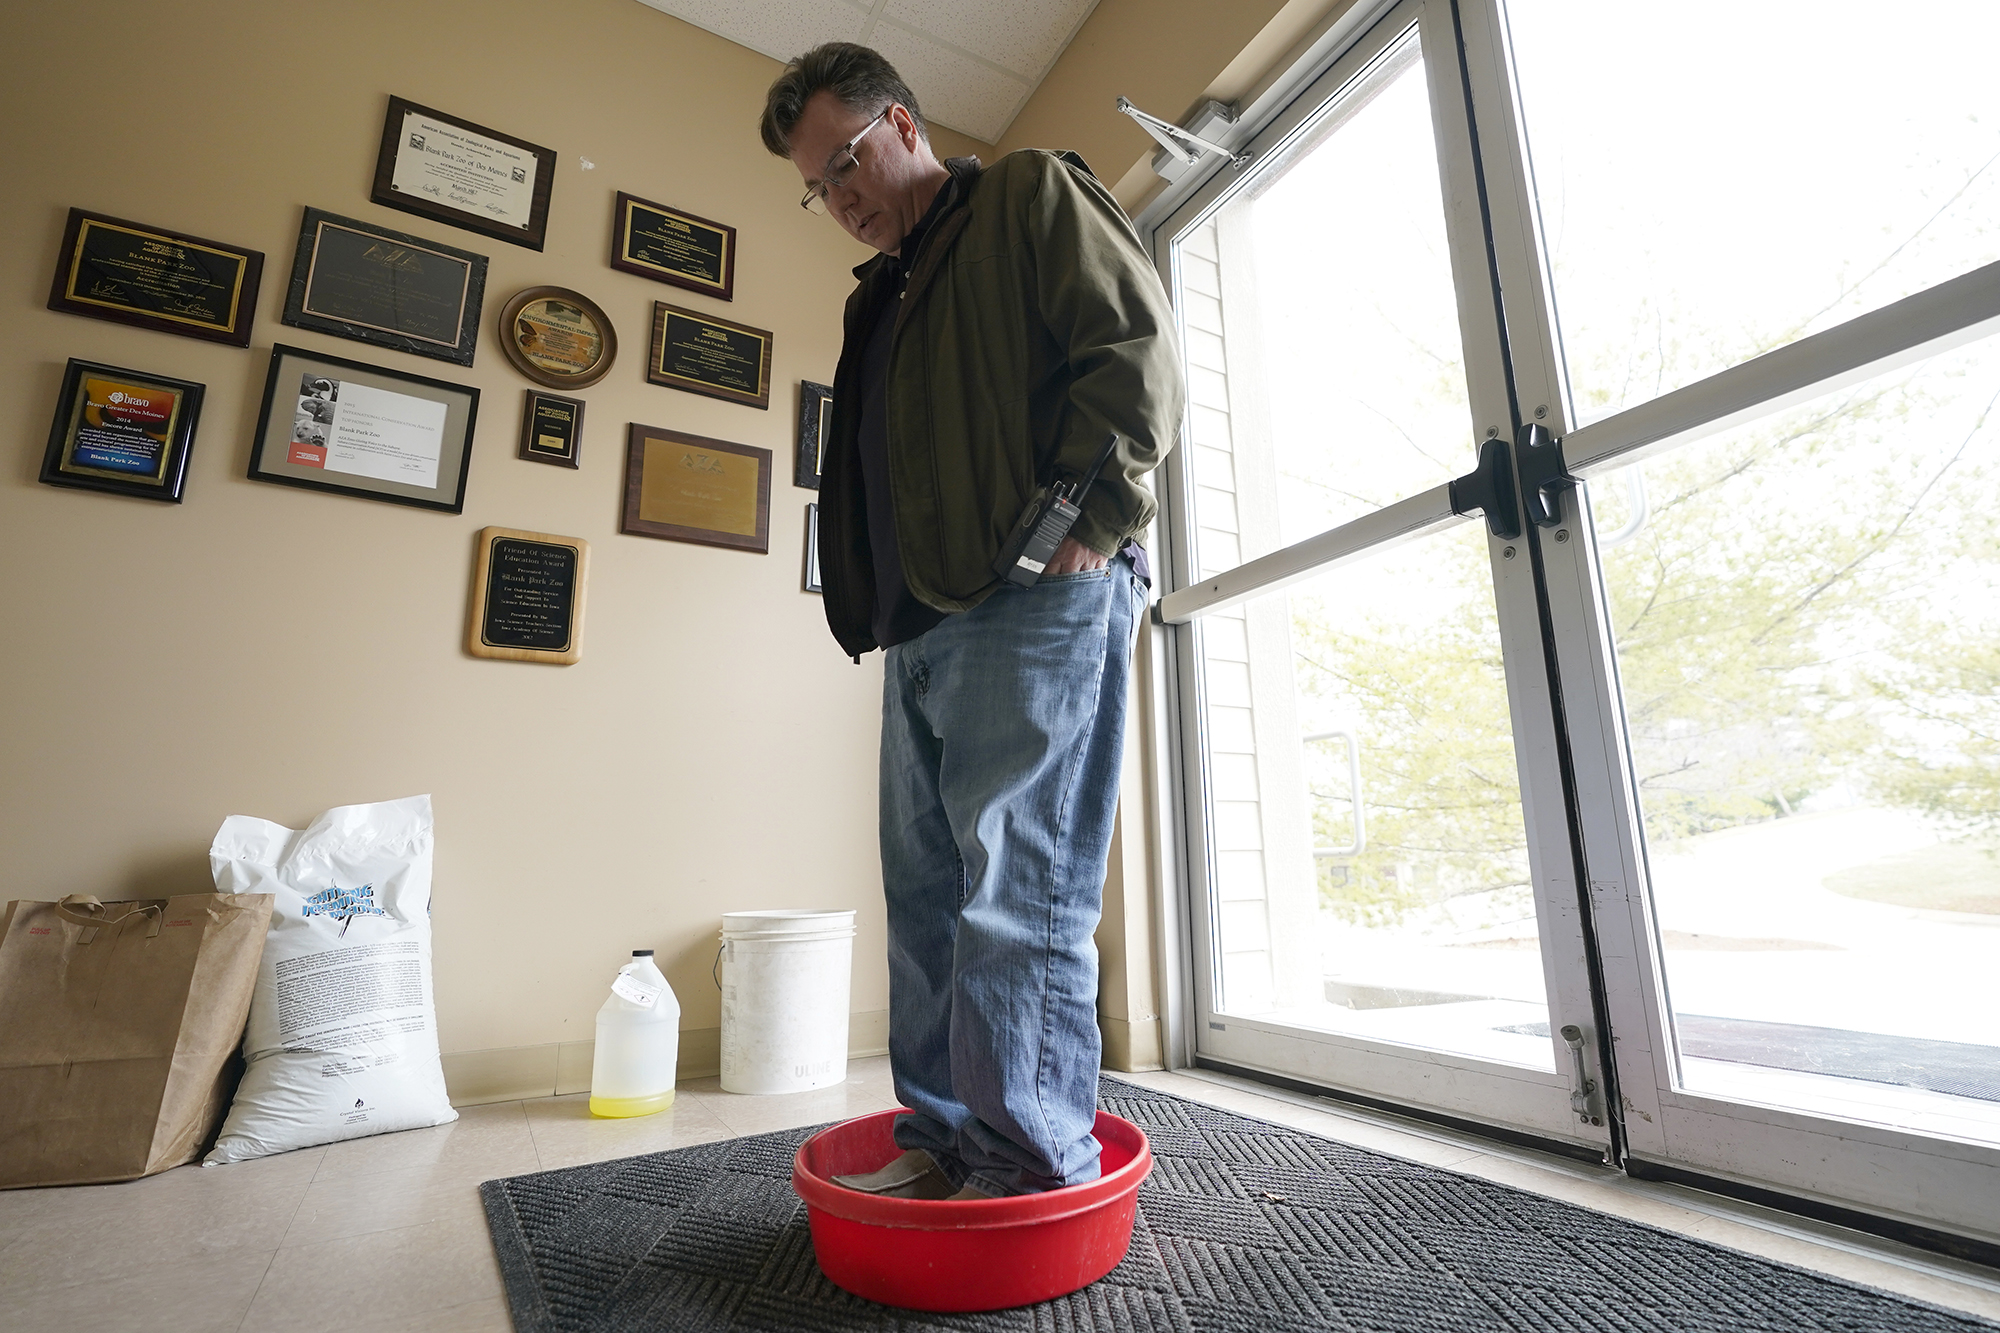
[1810, 601]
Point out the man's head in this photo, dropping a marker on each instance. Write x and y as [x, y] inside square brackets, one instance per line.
[879, 188]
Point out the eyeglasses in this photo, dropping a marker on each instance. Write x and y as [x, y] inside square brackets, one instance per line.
[838, 168]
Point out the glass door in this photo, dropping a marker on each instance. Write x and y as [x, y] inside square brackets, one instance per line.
[1769, 238]
[1384, 904]
[1585, 581]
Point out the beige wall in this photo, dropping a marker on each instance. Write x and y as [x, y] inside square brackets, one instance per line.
[269, 651]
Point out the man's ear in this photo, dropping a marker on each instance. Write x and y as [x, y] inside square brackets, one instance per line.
[906, 127]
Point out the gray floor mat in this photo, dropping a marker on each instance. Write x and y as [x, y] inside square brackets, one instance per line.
[1244, 1227]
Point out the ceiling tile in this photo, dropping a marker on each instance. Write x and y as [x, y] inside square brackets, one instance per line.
[780, 29]
[962, 94]
[1024, 36]
[1002, 50]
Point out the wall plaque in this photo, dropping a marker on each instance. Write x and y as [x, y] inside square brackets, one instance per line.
[551, 429]
[812, 578]
[557, 337]
[687, 488]
[122, 431]
[667, 245]
[453, 171]
[157, 279]
[527, 596]
[357, 280]
[814, 435]
[706, 355]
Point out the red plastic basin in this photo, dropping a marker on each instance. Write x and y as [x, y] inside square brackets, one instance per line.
[980, 1254]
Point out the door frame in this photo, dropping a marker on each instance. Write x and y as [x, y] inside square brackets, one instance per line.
[1594, 904]
[1535, 1103]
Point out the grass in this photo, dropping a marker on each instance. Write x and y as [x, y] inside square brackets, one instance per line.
[1949, 877]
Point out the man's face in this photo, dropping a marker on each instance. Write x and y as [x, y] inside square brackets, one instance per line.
[876, 204]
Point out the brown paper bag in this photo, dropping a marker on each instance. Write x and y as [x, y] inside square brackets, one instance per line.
[117, 1023]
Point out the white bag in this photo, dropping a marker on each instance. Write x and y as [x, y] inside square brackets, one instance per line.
[342, 1041]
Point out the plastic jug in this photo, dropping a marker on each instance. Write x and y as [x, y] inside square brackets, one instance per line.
[638, 1040]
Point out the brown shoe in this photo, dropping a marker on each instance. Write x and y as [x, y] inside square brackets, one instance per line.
[911, 1176]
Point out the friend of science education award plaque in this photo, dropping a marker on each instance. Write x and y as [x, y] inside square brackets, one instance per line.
[131, 273]
[527, 597]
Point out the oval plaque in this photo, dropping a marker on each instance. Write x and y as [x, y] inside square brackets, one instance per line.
[557, 337]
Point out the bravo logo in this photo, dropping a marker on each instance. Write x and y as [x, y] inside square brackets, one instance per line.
[346, 904]
[116, 397]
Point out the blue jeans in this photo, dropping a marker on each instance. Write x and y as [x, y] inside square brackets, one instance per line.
[1003, 729]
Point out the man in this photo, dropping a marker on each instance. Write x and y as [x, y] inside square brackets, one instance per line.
[1010, 322]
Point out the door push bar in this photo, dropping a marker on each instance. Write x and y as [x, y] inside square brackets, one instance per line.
[1490, 487]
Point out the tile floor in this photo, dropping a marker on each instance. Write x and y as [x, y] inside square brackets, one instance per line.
[387, 1233]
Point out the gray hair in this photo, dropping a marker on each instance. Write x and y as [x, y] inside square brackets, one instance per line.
[860, 78]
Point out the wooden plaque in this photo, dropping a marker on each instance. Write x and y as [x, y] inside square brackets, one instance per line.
[670, 246]
[687, 488]
[450, 170]
[527, 596]
[131, 273]
[706, 355]
[552, 429]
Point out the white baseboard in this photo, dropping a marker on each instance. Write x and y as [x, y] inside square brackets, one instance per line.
[512, 1073]
[555, 1069]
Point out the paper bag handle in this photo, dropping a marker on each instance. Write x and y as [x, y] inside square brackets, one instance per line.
[87, 910]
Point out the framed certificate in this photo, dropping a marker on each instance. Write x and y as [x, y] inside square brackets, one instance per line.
[812, 579]
[558, 337]
[450, 170]
[667, 245]
[815, 433]
[551, 429]
[330, 424]
[527, 597]
[706, 355]
[122, 431]
[157, 279]
[686, 488]
[357, 280]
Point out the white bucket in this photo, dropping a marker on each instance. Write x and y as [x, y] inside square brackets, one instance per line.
[784, 999]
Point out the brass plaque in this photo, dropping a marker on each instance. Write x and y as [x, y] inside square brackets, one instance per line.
[691, 487]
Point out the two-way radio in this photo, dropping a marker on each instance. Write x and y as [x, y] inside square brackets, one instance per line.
[1045, 522]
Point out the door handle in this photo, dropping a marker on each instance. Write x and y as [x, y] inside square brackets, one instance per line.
[1583, 1088]
[1360, 843]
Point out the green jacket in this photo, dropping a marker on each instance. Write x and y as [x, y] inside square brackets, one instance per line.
[1033, 323]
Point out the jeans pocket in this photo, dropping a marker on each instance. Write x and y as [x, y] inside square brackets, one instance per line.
[1080, 576]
